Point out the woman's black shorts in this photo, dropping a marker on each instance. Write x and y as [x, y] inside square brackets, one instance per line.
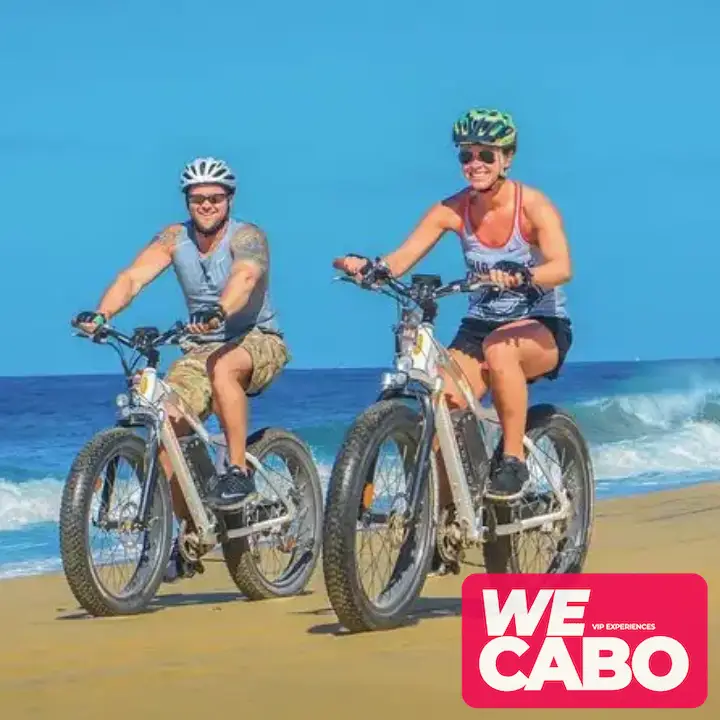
[473, 331]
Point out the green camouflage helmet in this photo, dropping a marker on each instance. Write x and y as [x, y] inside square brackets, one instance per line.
[485, 127]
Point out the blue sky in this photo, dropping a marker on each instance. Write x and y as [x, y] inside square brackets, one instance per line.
[337, 117]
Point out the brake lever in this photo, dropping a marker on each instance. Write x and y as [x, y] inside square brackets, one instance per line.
[473, 287]
[475, 283]
[100, 336]
[87, 336]
[352, 281]
[377, 285]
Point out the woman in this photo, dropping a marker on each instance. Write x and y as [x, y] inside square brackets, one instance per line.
[521, 331]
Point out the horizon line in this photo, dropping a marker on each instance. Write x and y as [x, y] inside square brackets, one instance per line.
[355, 368]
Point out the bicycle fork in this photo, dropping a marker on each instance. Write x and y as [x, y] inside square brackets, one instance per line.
[157, 434]
[419, 477]
[151, 472]
[438, 420]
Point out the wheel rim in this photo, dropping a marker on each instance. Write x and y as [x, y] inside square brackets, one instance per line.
[557, 545]
[133, 554]
[398, 551]
[287, 549]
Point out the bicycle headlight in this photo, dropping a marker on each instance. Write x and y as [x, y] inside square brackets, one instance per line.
[407, 337]
[403, 363]
[390, 380]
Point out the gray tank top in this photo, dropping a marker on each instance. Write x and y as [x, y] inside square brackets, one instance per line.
[510, 303]
[203, 279]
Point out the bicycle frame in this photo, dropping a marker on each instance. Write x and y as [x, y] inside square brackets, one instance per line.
[421, 359]
[148, 405]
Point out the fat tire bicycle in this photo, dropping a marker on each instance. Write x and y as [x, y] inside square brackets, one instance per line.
[142, 427]
[412, 409]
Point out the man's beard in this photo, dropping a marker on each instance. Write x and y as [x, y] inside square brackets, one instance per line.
[213, 228]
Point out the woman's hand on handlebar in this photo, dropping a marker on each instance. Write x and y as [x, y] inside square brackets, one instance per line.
[508, 274]
[353, 265]
[363, 270]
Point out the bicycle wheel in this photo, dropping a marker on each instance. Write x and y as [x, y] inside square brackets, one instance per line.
[568, 460]
[296, 542]
[97, 470]
[350, 506]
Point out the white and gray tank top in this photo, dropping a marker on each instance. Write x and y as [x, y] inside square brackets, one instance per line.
[510, 303]
[203, 279]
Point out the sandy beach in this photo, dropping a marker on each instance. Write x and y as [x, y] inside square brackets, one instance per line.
[203, 649]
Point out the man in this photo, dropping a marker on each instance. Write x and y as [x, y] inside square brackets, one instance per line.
[236, 349]
[511, 232]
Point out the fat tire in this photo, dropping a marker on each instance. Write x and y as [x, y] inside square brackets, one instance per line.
[361, 444]
[237, 552]
[499, 555]
[74, 506]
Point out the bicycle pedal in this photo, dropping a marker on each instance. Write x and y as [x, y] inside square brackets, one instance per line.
[189, 569]
[452, 568]
[504, 499]
[287, 546]
[445, 568]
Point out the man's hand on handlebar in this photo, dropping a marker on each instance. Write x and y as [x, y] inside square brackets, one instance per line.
[89, 321]
[205, 320]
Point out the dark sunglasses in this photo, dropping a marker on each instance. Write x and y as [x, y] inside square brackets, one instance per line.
[198, 199]
[486, 156]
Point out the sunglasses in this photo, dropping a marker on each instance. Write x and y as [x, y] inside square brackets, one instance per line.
[215, 199]
[486, 156]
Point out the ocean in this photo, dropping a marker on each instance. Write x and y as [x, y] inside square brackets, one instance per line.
[650, 425]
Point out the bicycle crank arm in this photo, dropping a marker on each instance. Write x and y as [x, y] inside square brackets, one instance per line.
[258, 527]
[529, 523]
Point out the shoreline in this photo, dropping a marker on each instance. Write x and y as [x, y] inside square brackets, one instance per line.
[615, 497]
[203, 646]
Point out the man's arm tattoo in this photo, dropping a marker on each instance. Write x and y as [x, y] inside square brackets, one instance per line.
[167, 236]
[249, 244]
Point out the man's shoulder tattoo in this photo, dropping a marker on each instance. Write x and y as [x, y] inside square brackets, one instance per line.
[168, 236]
[249, 242]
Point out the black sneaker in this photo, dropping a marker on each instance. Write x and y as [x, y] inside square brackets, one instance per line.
[439, 568]
[233, 490]
[507, 477]
[174, 569]
[178, 568]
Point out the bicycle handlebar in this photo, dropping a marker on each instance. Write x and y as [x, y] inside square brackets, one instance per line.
[143, 339]
[423, 289]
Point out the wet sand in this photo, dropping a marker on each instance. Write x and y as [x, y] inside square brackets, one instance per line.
[203, 650]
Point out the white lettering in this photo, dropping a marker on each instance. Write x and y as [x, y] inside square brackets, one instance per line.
[497, 619]
[593, 663]
[554, 649]
[679, 663]
[628, 626]
[561, 612]
[554, 662]
[487, 663]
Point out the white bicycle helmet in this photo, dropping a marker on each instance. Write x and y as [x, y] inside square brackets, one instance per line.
[206, 171]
